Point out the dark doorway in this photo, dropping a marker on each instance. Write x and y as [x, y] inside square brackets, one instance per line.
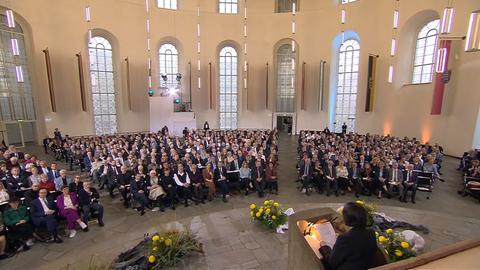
[284, 124]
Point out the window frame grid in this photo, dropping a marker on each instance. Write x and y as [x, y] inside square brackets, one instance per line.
[346, 99]
[286, 80]
[17, 96]
[228, 88]
[168, 64]
[285, 6]
[228, 6]
[420, 55]
[101, 70]
[167, 4]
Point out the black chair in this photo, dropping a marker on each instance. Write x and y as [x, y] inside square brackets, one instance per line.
[425, 182]
[471, 187]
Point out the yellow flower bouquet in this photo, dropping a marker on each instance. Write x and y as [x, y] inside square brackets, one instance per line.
[270, 214]
[394, 245]
[167, 248]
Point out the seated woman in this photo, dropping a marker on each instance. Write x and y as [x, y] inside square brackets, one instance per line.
[355, 249]
[4, 197]
[208, 175]
[156, 192]
[342, 177]
[67, 204]
[17, 218]
[245, 177]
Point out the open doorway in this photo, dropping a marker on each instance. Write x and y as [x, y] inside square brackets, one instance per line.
[285, 123]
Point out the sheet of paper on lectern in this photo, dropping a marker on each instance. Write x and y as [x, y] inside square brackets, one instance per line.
[326, 233]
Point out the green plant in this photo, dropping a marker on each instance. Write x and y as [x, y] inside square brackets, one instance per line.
[270, 214]
[165, 249]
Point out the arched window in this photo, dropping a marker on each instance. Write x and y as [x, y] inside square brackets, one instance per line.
[285, 79]
[168, 65]
[347, 85]
[168, 4]
[425, 53]
[103, 87]
[16, 102]
[285, 6]
[228, 6]
[228, 88]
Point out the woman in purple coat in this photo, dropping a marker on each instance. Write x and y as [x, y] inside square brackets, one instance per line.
[67, 204]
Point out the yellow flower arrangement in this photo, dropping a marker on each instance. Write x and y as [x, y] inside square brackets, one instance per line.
[168, 242]
[389, 231]
[360, 202]
[377, 234]
[151, 259]
[405, 244]
[269, 214]
[155, 238]
[382, 239]
[398, 253]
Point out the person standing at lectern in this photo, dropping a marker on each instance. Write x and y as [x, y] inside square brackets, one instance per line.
[355, 249]
[206, 126]
[344, 128]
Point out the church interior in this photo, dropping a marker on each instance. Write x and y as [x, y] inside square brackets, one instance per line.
[239, 134]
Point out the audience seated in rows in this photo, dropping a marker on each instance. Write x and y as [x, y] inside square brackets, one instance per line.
[365, 164]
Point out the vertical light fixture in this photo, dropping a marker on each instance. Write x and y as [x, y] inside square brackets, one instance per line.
[19, 73]
[343, 21]
[447, 18]
[473, 35]
[245, 56]
[149, 52]
[15, 50]
[88, 19]
[294, 14]
[393, 44]
[199, 64]
[441, 60]
[10, 18]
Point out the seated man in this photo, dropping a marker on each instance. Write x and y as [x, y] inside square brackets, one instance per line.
[395, 180]
[76, 185]
[63, 180]
[183, 182]
[410, 182]
[88, 198]
[31, 194]
[258, 176]
[331, 177]
[42, 213]
[17, 219]
[138, 188]
[15, 181]
[124, 179]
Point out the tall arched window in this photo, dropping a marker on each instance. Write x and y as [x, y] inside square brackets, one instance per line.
[16, 102]
[228, 88]
[228, 6]
[347, 85]
[285, 79]
[168, 4]
[425, 53]
[103, 87]
[168, 64]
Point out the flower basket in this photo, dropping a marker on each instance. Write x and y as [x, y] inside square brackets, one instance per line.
[166, 249]
[270, 214]
[394, 245]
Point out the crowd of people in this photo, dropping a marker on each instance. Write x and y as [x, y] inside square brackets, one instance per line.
[470, 168]
[365, 164]
[149, 170]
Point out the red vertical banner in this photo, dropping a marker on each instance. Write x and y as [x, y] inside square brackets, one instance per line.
[439, 88]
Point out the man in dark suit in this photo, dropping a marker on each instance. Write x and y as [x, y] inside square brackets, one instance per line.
[220, 178]
[124, 179]
[88, 198]
[410, 182]
[258, 175]
[54, 172]
[306, 174]
[138, 188]
[15, 181]
[42, 213]
[106, 174]
[331, 176]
